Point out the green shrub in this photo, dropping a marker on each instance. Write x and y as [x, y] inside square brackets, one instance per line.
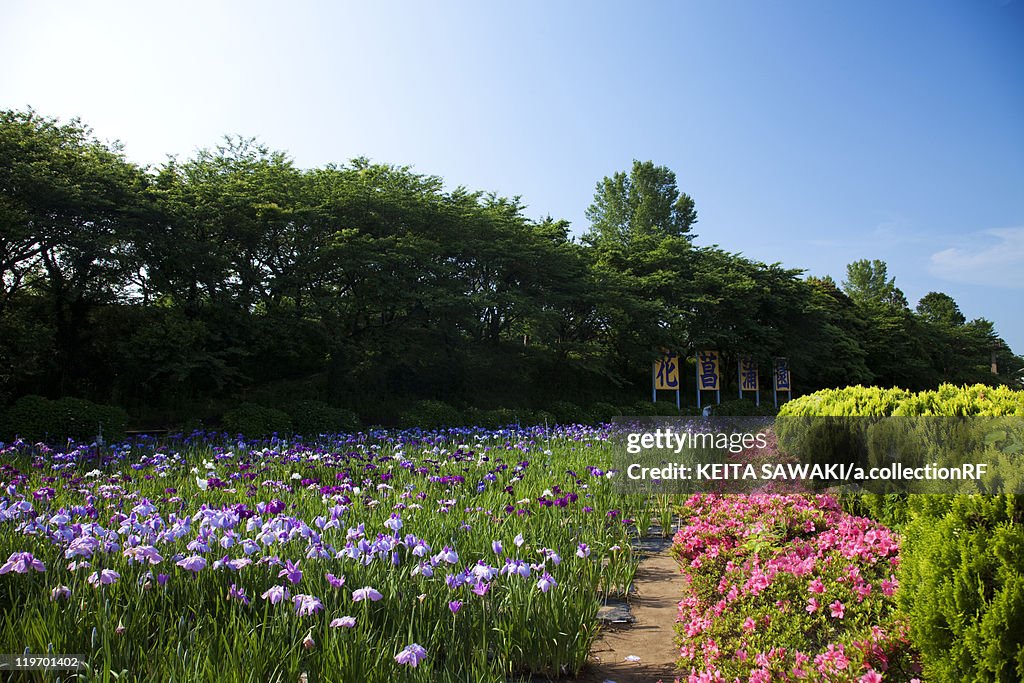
[539, 417]
[316, 417]
[497, 417]
[848, 401]
[962, 560]
[962, 586]
[604, 412]
[952, 400]
[568, 413]
[649, 409]
[35, 418]
[430, 415]
[742, 407]
[254, 420]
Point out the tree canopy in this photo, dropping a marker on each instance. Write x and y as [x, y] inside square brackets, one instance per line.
[176, 291]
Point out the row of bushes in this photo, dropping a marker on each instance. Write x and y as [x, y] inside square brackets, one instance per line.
[35, 418]
[302, 417]
[947, 400]
[962, 564]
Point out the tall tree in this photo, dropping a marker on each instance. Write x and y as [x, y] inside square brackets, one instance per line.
[868, 282]
[940, 308]
[70, 204]
[646, 202]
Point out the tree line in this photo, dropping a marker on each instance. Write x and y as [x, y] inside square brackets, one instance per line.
[179, 290]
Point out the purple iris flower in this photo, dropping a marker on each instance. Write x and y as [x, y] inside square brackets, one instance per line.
[83, 546]
[447, 555]
[335, 581]
[237, 593]
[366, 593]
[411, 655]
[60, 592]
[21, 563]
[455, 606]
[497, 547]
[144, 553]
[307, 604]
[291, 571]
[104, 577]
[546, 582]
[276, 594]
[238, 564]
[344, 622]
[193, 563]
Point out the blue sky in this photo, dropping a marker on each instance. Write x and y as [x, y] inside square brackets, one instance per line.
[810, 133]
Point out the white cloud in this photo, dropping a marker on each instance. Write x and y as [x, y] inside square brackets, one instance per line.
[994, 258]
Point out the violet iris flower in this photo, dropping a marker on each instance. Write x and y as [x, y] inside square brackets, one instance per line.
[276, 594]
[546, 583]
[411, 655]
[344, 622]
[21, 563]
[366, 593]
[291, 571]
[307, 604]
[193, 563]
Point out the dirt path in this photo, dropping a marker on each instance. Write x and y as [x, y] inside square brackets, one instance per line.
[650, 637]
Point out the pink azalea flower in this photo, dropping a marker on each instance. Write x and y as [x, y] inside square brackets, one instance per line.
[812, 605]
[838, 609]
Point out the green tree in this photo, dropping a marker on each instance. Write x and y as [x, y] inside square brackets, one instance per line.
[70, 204]
[644, 203]
[868, 282]
[940, 308]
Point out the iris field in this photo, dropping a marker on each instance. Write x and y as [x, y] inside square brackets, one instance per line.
[460, 555]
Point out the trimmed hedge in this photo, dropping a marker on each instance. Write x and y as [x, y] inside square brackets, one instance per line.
[35, 418]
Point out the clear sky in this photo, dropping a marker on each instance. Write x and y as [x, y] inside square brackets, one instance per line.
[810, 133]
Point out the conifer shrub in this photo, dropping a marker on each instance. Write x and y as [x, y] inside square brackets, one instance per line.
[962, 586]
[962, 561]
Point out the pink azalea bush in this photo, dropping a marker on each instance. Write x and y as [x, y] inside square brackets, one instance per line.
[788, 588]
